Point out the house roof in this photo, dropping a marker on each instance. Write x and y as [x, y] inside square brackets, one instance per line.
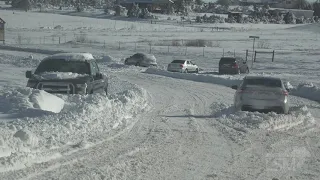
[147, 1]
[2, 21]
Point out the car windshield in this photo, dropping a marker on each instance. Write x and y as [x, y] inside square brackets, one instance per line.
[262, 82]
[55, 65]
[178, 61]
[227, 61]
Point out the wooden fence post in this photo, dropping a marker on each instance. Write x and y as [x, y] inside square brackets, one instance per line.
[150, 48]
[255, 56]
[247, 54]
[203, 52]
[273, 56]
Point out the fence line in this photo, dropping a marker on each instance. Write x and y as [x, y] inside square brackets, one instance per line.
[183, 47]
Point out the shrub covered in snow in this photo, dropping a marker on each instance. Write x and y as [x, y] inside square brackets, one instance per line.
[134, 11]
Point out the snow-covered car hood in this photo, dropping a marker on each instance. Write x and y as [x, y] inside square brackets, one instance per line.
[59, 75]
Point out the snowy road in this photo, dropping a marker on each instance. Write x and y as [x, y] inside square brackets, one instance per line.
[179, 138]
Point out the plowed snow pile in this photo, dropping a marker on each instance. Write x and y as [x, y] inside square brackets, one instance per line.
[307, 90]
[243, 121]
[28, 102]
[38, 123]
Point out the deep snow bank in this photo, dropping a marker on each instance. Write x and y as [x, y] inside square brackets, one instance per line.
[243, 121]
[224, 80]
[83, 120]
[307, 90]
[28, 101]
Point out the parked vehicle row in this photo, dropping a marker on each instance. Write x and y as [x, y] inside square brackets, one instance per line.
[227, 65]
[78, 73]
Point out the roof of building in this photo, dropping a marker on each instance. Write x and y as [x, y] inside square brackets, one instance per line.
[72, 56]
[146, 1]
[2, 21]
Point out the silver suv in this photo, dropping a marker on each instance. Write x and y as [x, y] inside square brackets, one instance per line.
[259, 93]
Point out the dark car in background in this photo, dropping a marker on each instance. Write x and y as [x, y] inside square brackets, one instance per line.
[141, 59]
[233, 65]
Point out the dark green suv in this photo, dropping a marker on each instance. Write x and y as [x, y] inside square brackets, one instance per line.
[68, 73]
[233, 65]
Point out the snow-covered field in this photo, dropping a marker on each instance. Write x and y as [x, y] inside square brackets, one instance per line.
[155, 124]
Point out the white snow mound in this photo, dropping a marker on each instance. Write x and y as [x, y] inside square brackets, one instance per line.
[307, 90]
[23, 100]
[221, 80]
[244, 121]
[26, 139]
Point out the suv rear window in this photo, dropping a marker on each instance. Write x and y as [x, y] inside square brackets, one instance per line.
[178, 61]
[227, 61]
[55, 65]
[263, 82]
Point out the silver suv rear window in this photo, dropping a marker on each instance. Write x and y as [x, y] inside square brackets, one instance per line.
[178, 61]
[263, 82]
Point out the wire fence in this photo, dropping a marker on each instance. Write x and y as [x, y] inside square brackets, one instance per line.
[176, 46]
[191, 48]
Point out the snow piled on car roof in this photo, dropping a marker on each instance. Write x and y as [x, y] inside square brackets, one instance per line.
[72, 56]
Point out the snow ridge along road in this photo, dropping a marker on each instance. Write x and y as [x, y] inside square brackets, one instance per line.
[158, 128]
[190, 132]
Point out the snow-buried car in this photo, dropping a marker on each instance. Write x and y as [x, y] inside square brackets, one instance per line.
[68, 73]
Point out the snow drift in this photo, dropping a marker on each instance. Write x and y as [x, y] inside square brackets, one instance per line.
[224, 80]
[307, 90]
[243, 121]
[28, 101]
[83, 120]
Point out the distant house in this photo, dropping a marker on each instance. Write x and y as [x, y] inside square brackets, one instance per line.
[297, 12]
[287, 4]
[159, 6]
[257, 2]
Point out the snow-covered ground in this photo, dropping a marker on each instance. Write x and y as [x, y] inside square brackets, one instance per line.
[156, 124]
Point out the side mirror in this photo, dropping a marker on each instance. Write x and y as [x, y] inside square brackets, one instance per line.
[234, 87]
[28, 74]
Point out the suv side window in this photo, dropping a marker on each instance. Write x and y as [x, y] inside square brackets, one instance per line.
[188, 62]
[94, 68]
